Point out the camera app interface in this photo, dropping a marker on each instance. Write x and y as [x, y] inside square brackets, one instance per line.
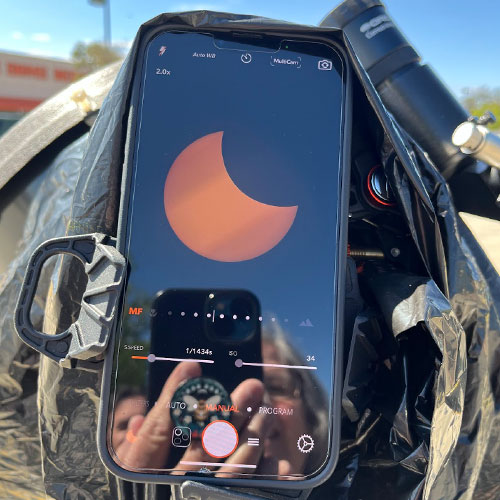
[225, 354]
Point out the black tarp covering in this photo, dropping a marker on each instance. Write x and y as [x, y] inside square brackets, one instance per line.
[421, 394]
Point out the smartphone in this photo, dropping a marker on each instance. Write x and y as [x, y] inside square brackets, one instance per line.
[226, 355]
[221, 320]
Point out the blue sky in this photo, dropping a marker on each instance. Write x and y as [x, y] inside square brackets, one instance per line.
[459, 38]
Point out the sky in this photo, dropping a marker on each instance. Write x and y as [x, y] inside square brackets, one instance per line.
[458, 38]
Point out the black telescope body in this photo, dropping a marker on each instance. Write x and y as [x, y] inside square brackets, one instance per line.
[411, 91]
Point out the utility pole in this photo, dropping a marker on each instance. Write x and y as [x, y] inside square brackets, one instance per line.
[106, 15]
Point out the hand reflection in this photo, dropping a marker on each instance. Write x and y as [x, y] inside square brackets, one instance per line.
[301, 409]
[149, 438]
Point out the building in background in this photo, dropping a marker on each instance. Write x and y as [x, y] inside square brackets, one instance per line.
[26, 81]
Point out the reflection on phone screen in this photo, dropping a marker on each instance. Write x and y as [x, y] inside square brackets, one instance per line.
[226, 351]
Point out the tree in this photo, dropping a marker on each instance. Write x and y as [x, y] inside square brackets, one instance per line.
[92, 56]
[480, 99]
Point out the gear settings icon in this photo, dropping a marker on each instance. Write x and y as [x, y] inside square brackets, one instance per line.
[305, 443]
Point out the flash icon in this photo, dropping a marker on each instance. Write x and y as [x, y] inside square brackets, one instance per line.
[162, 50]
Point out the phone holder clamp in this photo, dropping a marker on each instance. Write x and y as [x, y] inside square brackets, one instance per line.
[193, 490]
[88, 336]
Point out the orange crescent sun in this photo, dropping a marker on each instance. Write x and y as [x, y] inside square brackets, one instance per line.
[210, 215]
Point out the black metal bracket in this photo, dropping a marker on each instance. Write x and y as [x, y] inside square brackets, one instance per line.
[193, 490]
[88, 336]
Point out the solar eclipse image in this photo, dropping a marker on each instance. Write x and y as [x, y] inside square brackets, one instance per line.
[240, 227]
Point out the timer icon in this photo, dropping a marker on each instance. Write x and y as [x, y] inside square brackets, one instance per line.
[246, 58]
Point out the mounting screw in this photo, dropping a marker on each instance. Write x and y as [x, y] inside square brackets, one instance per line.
[61, 347]
[485, 118]
[395, 252]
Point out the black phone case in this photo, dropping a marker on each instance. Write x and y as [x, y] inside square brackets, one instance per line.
[108, 387]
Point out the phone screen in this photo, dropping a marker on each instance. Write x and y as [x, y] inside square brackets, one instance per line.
[226, 345]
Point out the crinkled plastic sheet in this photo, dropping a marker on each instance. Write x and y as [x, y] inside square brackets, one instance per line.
[20, 450]
[421, 393]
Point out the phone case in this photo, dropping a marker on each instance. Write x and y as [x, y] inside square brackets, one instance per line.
[108, 375]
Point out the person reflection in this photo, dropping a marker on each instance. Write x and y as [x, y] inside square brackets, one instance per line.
[299, 405]
[305, 409]
[129, 403]
[148, 438]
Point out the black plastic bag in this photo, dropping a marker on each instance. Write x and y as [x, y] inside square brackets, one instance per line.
[421, 396]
